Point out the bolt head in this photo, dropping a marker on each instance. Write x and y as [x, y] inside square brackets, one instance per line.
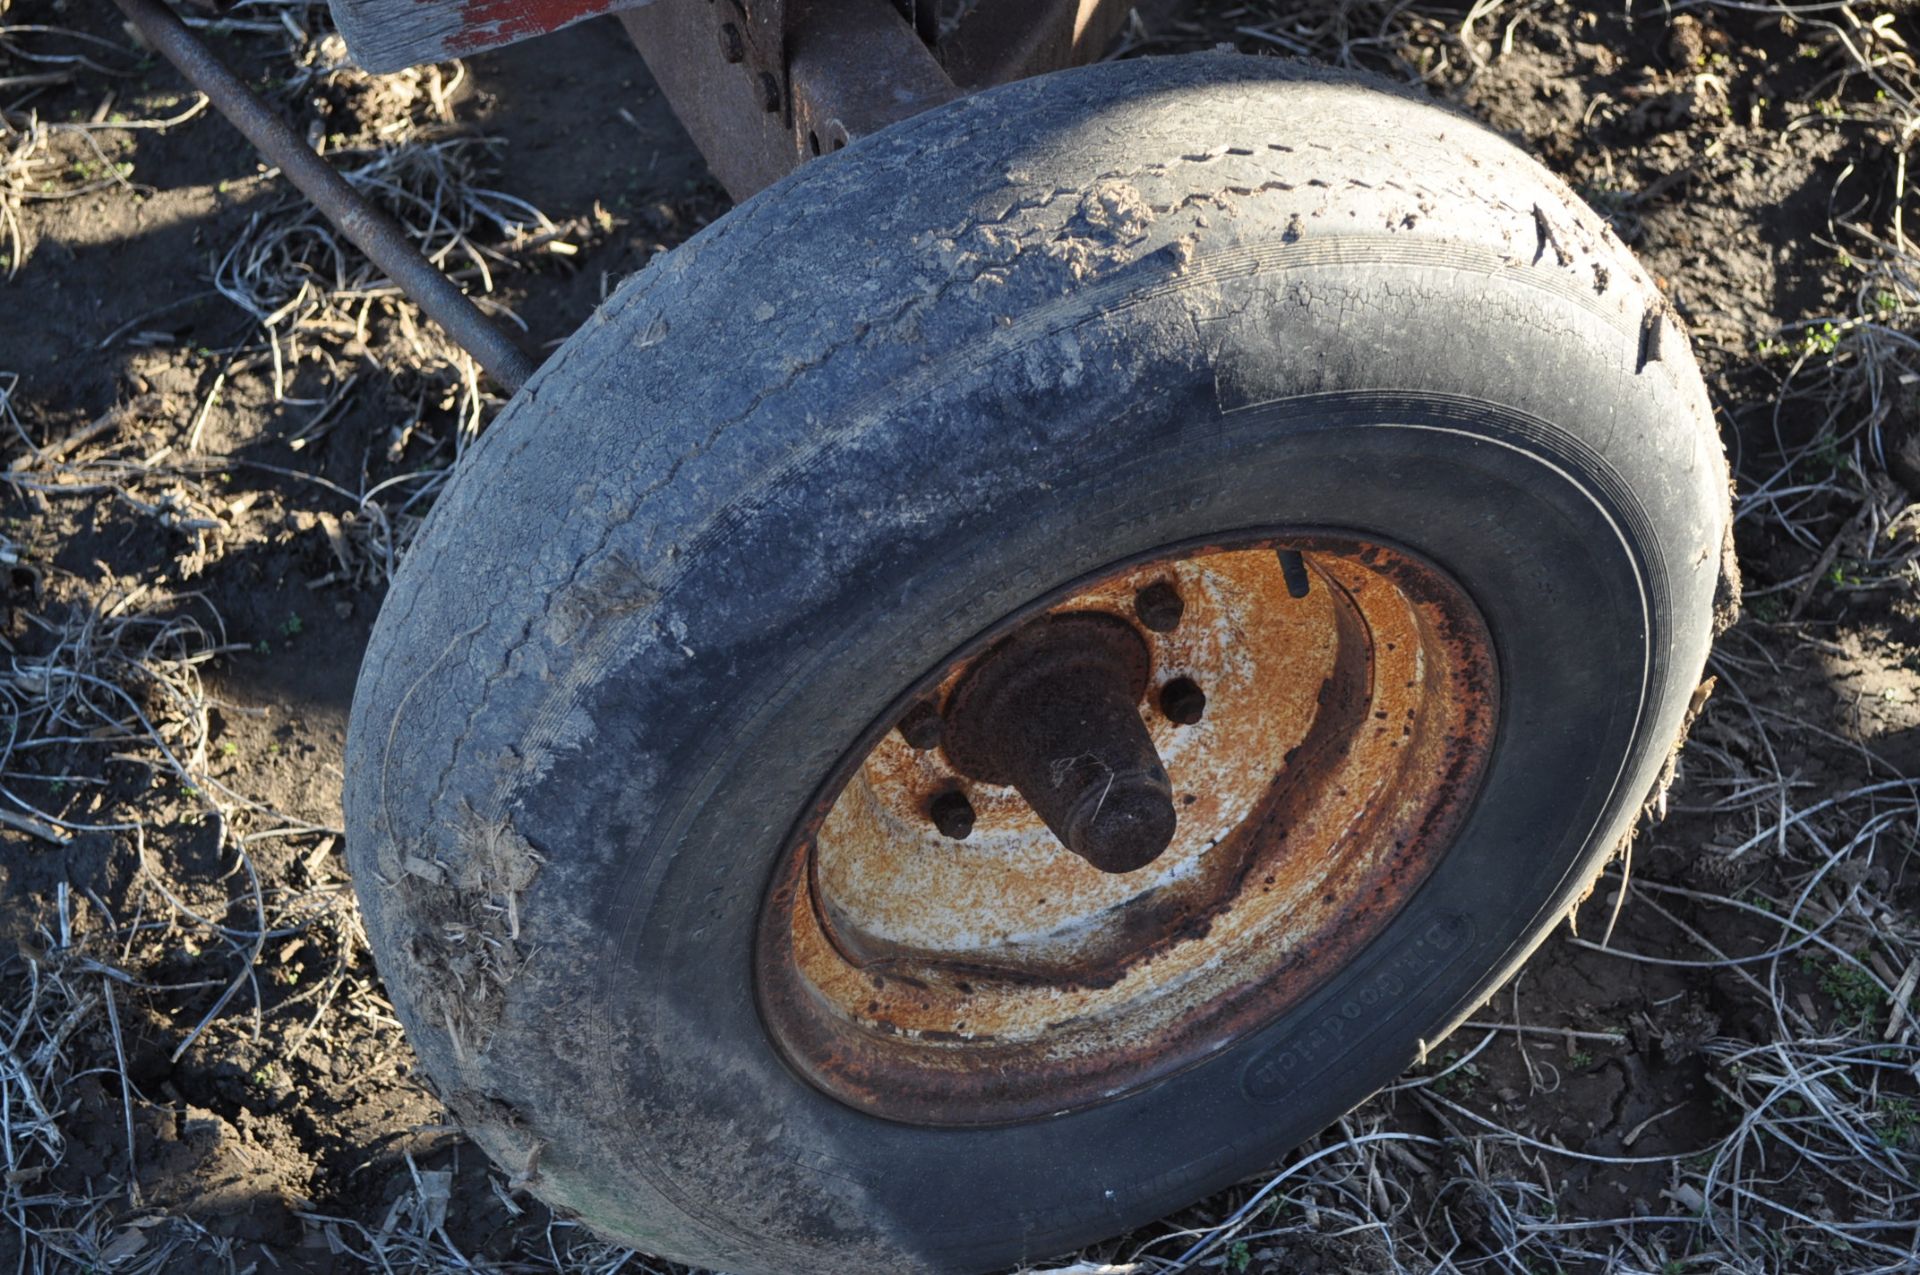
[1183, 701]
[952, 814]
[922, 727]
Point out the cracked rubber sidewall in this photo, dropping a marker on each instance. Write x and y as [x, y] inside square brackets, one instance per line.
[797, 463]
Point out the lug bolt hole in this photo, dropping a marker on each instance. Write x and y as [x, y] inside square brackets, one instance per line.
[952, 814]
[1159, 606]
[1183, 701]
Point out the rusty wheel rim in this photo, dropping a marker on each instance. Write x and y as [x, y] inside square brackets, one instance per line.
[938, 970]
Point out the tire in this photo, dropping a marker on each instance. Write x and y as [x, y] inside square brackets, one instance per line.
[860, 421]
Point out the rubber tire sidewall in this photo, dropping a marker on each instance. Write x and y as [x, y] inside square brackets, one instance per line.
[860, 520]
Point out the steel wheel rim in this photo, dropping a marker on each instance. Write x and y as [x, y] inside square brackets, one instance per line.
[999, 978]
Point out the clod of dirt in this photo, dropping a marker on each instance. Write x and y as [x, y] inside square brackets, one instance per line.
[1686, 42]
[1684, 1027]
[1112, 216]
[198, 1162]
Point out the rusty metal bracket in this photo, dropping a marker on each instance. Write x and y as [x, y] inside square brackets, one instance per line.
[856, 67]
[763, 86]
[722, 65]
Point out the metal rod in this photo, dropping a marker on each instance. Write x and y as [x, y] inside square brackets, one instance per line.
[376, 234]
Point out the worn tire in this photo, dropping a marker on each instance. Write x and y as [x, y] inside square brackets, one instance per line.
[874, 409]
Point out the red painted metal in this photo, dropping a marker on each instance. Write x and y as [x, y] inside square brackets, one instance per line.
[486, 23]
[388, 35]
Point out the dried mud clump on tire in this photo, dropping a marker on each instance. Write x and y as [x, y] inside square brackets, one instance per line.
[465, 947]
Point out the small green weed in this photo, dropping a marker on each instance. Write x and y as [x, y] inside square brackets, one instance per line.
[1853, 991]
[1897, 1122]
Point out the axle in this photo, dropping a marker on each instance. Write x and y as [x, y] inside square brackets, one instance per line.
[1054, 712]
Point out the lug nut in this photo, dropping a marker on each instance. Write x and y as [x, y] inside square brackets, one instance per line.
[952, 815]
[1159, 607]
[733, 46]
[1183, 701]
[921, 727]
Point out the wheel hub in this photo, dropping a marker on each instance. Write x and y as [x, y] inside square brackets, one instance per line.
[1257, 750]
[1053, 712]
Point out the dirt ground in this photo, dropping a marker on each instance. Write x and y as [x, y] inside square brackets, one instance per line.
[219, 428]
